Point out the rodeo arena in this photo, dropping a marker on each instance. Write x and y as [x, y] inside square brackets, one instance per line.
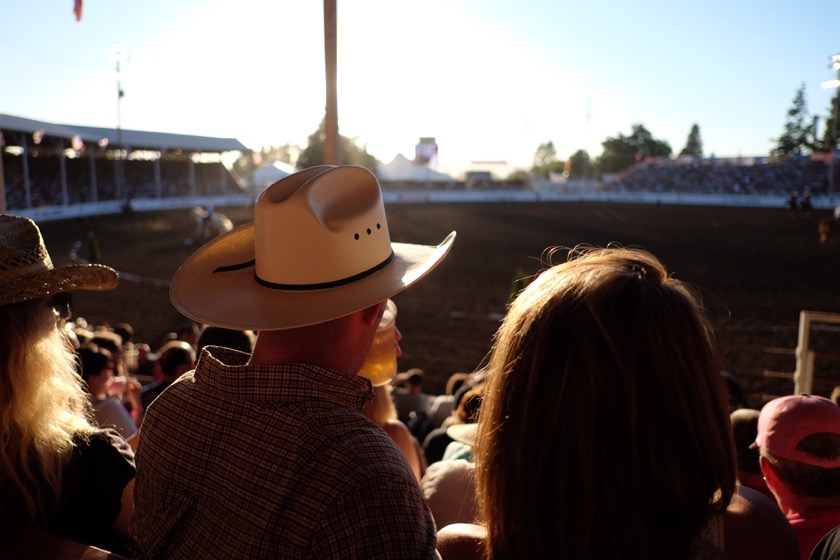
[74, 179]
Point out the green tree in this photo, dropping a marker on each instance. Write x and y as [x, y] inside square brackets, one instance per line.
[693, 145]
[519, 177]
[829, 138]
[800, 129]
[625, 151]
[350, 152]
[545, 160]
[579, 165]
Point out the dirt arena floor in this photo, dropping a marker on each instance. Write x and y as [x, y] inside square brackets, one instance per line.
[756, 269]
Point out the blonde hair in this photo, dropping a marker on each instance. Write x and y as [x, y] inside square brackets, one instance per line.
[43, 406]
[380, 410]
[604, 408]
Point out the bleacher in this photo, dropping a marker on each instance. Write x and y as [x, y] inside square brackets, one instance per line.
[46, 164]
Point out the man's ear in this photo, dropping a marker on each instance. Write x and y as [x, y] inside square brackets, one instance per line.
[373, 315]
[766, 469]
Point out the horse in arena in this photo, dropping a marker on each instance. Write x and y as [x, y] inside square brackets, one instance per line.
[829, 229]
[209, 223]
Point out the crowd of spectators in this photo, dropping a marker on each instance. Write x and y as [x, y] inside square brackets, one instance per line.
[765, 178]
[602, 405]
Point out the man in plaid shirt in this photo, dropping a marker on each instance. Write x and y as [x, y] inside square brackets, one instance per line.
[267, 455]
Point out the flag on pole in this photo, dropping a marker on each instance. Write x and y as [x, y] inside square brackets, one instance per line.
[77, 9]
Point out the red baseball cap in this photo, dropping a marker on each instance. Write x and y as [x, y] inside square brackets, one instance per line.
[786, 421]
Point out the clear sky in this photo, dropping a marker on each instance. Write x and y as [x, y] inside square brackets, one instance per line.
[489, 79]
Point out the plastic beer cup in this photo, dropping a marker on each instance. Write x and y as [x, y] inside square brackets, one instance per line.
[381, 364]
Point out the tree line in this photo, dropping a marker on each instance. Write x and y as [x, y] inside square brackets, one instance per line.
[800, 136]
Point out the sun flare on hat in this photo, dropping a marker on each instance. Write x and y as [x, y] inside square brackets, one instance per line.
[319, 248]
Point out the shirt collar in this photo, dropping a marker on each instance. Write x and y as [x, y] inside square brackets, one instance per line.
[227, 371]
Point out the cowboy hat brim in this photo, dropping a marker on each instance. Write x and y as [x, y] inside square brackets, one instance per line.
[233, 298]
[45, 283]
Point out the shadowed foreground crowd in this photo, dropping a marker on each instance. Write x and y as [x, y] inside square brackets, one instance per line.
[601, 427]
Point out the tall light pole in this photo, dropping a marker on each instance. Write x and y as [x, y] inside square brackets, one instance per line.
[833, 84]
[331, 115]
[120, 55]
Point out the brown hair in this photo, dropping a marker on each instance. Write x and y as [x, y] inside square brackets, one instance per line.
[604, 410]
[810, 480]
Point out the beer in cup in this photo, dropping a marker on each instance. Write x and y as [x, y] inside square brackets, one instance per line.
[381, 364]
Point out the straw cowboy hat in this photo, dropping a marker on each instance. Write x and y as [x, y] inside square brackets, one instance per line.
[27, 272]
[318, 249]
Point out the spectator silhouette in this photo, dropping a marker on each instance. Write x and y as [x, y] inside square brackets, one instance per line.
[744, 430]
[175, 358]
[236, 339]
[437, 442]
[604, 430]
[96, 367]
[449, 485]
[59, 473]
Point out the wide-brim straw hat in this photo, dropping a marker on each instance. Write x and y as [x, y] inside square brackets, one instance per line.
[319, 248]
[27, 272]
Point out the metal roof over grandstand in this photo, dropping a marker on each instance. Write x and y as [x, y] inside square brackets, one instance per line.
[136, 139]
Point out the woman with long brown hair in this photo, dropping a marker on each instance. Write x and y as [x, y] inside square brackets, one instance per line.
[604, 431]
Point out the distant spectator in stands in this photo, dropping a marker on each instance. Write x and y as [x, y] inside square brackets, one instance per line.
[799, 441]
[175, 358]
[145, 360]
[381, 412]
[437, 442]
[58, 471]
[604, 431]
[455, 381]
[412, 403]
[734, 391]
[744, 430]
[96, 367]
[235, 339]
[188, 332]
[105, 338]
[129, 352]
[408, 393]
[449, 486]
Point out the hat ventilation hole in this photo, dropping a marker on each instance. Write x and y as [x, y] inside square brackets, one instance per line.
[356, 236]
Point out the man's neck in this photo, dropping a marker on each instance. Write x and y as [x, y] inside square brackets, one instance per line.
[801, 506]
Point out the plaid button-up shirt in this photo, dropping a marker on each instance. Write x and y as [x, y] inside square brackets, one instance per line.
[273, 461]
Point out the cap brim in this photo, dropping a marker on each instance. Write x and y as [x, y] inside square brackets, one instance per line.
[233, 298]
[464, 433]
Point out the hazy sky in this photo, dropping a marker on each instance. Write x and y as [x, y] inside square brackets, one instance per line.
[490, 80]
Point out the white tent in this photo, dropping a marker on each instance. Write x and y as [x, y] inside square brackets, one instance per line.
[403, 169]
[270, 173]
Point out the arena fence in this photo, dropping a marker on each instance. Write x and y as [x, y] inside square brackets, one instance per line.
[429, 196]
[803, 377]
